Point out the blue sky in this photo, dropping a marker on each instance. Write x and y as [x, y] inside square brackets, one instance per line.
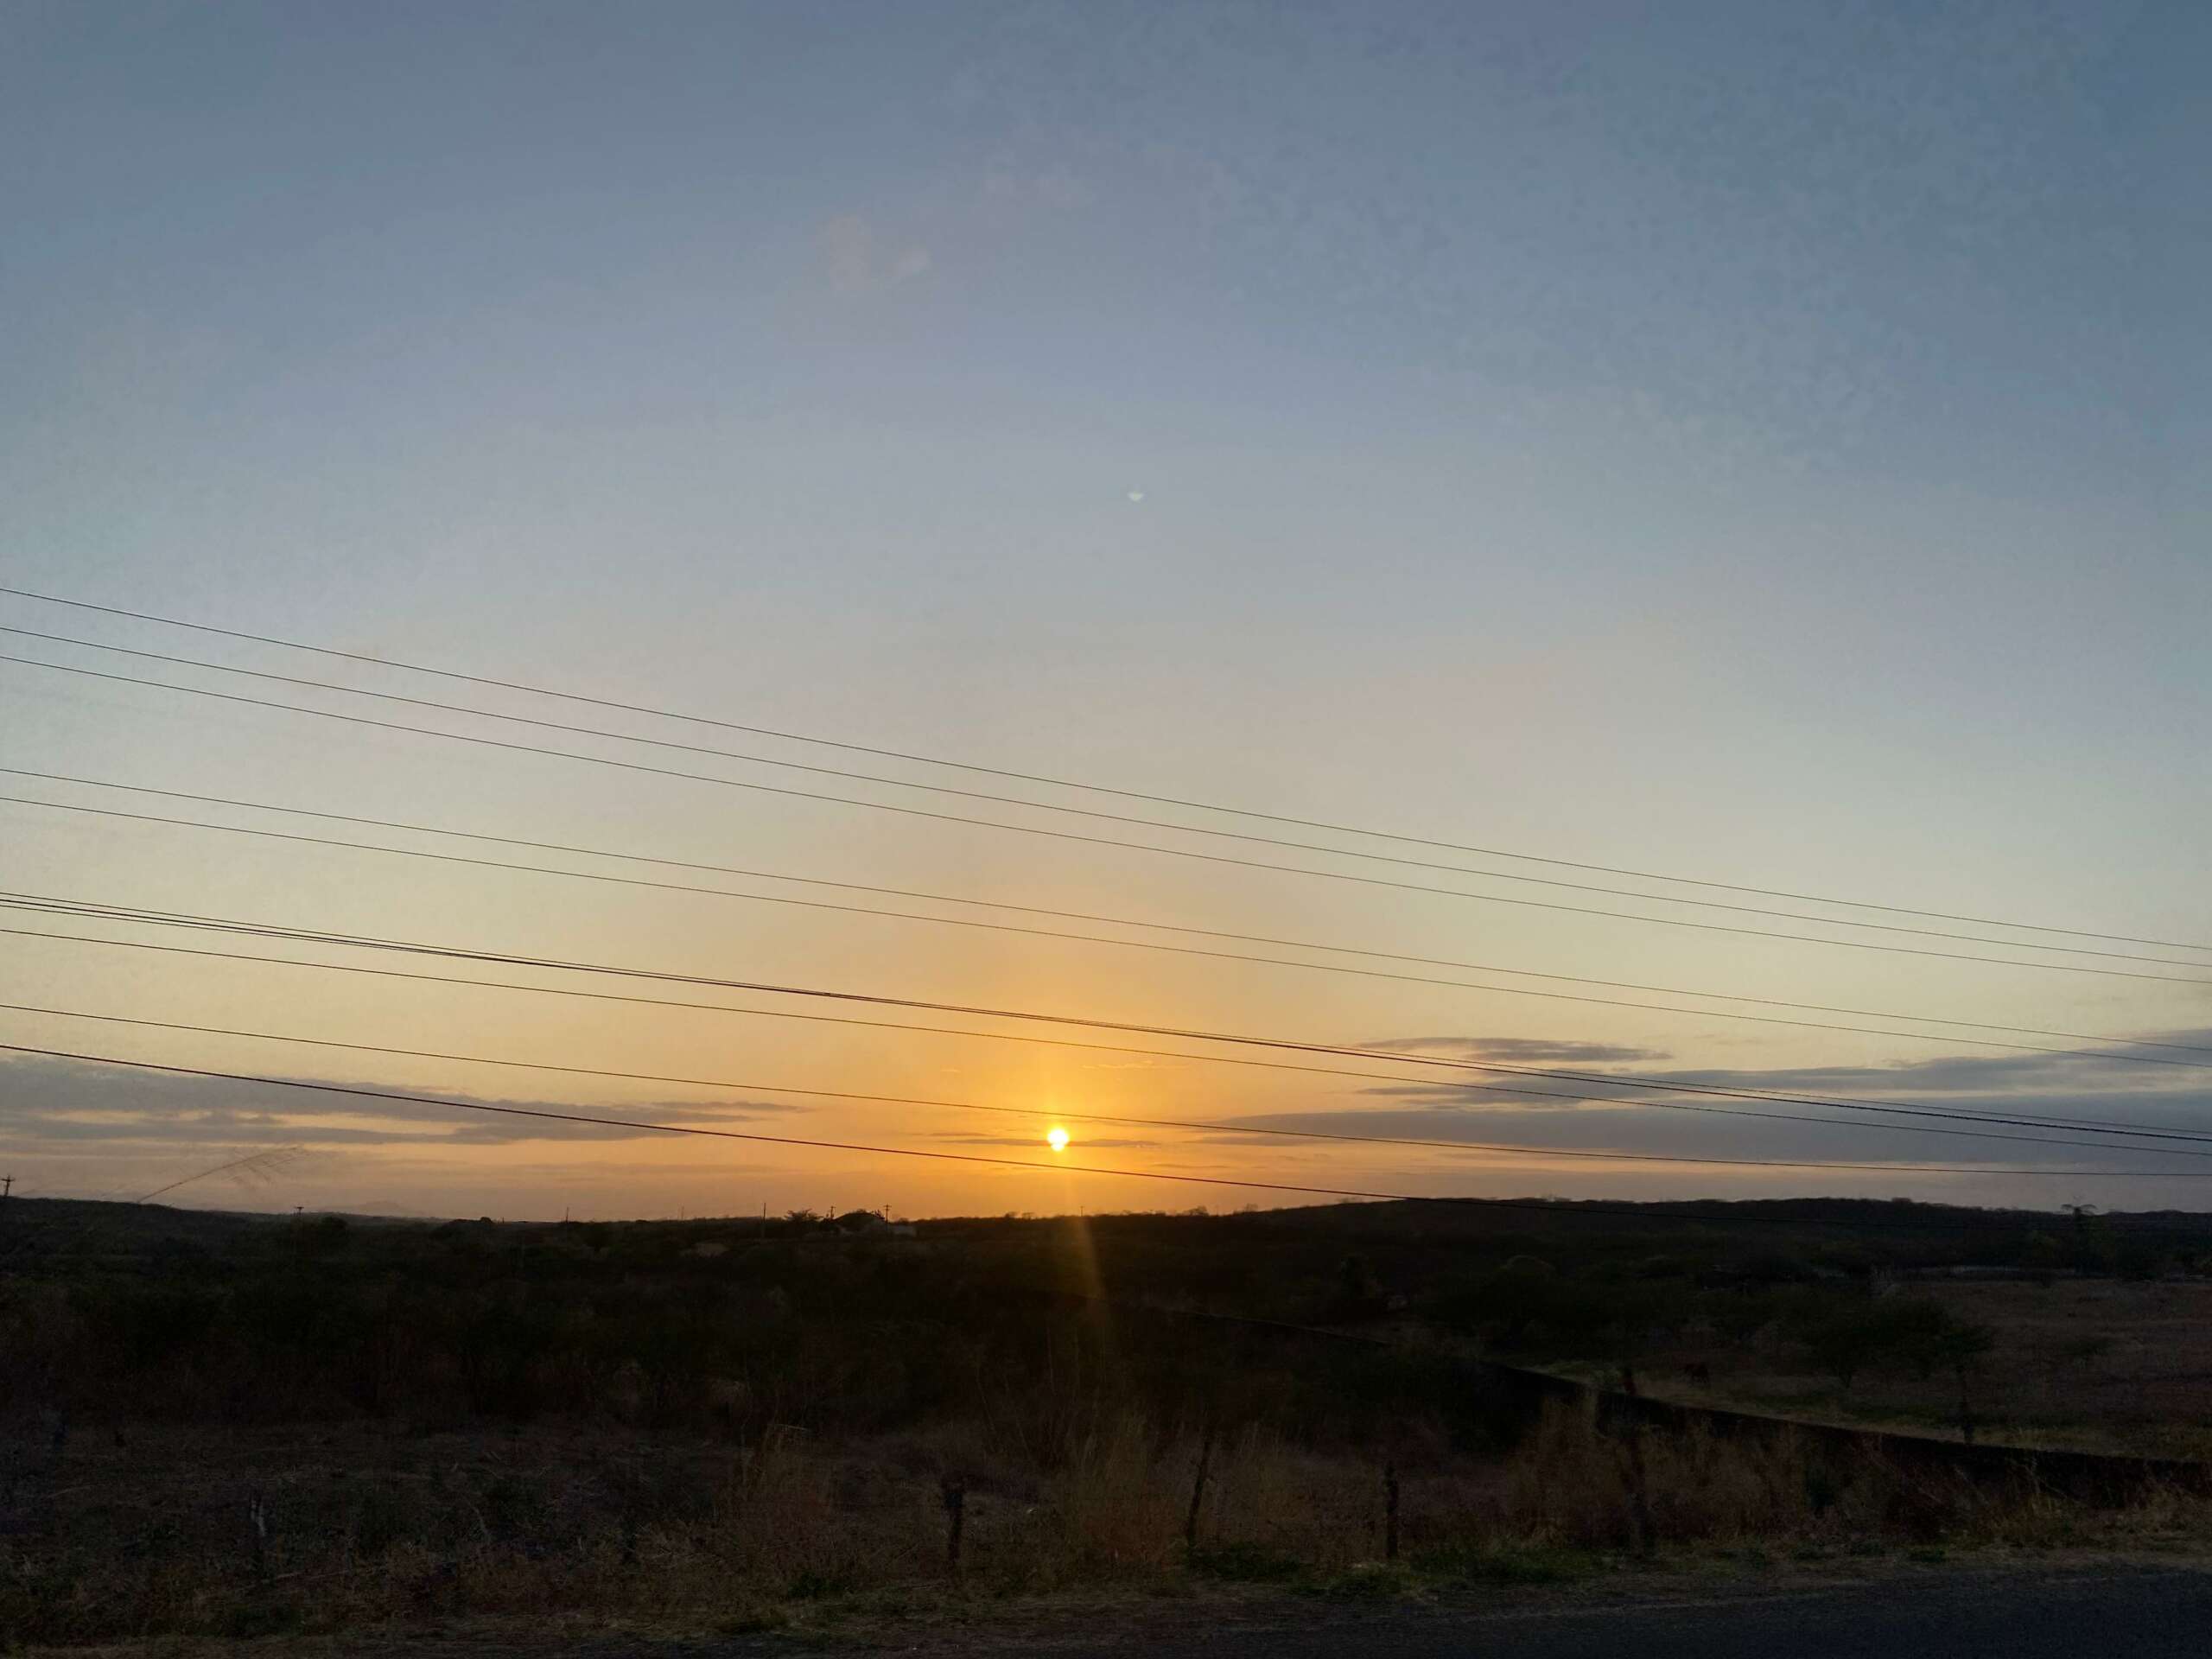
[1757, 440]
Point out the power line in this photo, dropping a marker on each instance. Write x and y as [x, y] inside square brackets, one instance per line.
[1108, 840]
[1086, 812]
[773, 1014]
[254, 1163]
[1078, 1116]
[846, 1146]
[686, 1128]
[1039, 933]
[1099, 789]
[165, 919]
[254, 1167]
[2121, 1129]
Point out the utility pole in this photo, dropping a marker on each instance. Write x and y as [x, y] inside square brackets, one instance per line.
[7, 1186]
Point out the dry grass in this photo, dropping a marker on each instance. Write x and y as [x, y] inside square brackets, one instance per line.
[2091, 1364]
[379, 1529]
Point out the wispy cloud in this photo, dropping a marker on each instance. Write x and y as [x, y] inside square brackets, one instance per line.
[2101, 1085]
[1519, 1050]
[58, 1102]
[856, 259]
[2089, 1073]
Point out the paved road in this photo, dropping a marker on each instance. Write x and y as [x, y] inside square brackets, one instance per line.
[2063, 1613]
[2141, 1616]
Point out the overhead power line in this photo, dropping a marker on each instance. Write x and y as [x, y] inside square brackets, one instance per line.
[2120, 1129]
[357, 1092]
[1108, 840]
[1606, 1154]
[688, 1128]
[254, 1165]
[1637, 1085]
[1053, 933]
[1092, 788]
[1072, 1115]
[470, 712]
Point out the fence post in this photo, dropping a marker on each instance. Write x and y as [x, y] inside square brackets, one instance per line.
[1199, 1486]
[954, 1492]
[1639, 1494]
[1391, 1511]
[256, 1514]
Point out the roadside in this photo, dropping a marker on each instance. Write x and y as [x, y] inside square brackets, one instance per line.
[2030, 1604]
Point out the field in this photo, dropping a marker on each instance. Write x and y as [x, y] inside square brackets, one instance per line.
[226, 1425]
[2095, 1364]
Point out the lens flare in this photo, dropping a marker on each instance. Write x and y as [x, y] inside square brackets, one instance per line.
[1057, 1138]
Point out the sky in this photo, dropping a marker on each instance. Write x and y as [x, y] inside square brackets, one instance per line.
[1745, 442]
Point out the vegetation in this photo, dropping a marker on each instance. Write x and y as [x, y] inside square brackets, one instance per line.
[225, 1424]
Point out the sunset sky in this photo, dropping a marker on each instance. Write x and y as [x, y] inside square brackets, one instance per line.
[1754, 443]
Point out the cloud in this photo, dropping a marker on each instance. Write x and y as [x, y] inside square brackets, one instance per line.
[64, 1102]
[856, 261]
[2083, 1075]
[78, 1112]
[1519, 1050]
[2098, 1070]
[1540, 1095]
[2100, 1085]
[1749, 1130]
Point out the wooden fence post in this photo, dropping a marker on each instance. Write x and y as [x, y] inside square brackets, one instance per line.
[1391, 1511]
[256, 1514]
[1639, 1493]
[1198, 1487]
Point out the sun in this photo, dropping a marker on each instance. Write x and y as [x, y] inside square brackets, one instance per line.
[1057, 1138]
